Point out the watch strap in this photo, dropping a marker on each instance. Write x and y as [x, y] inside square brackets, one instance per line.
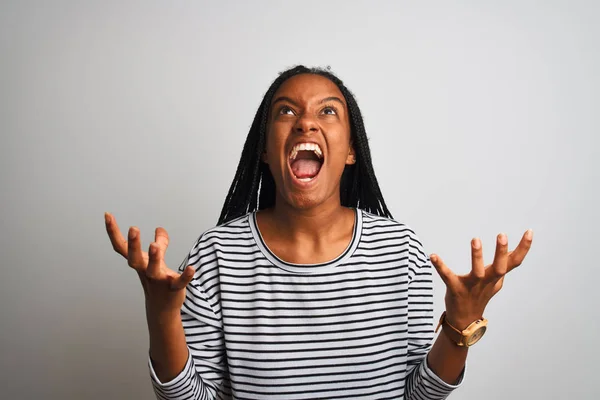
[455, 334]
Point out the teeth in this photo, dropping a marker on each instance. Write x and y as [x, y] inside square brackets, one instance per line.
[306, 146]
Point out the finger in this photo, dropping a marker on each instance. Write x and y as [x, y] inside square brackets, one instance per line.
[517, 256]
[135, 258]
[154, 264]
[445, 273]
[184, 279]
[119, 243]
[161, 237]
[501, 257]
[477, 265]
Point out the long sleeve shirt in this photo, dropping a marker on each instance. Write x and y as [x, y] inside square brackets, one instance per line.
[357, 327]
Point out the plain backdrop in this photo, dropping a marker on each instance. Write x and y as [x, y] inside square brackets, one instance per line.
[483, 118]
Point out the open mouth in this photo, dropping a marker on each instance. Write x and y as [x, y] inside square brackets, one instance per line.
[306, 160]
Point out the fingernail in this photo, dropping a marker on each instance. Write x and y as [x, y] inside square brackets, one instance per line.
[476, 243]
[433, 258]
[502, 239]
[153, 249]
[132, 233]
[106, 217]
[529, 234]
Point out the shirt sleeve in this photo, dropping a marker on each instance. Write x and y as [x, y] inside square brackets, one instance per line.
[203, 376]
[422, 383]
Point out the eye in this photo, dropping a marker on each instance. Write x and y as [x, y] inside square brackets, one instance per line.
[285, 110]
[329, 110]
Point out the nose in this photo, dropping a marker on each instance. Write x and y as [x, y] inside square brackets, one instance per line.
[306, 123]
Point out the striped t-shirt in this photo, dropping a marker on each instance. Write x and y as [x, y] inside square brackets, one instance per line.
[356, 327]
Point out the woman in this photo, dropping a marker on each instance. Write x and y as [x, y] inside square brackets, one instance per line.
[307, 289]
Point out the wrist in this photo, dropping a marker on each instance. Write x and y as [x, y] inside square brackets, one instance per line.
[461, 322]
[467, 336]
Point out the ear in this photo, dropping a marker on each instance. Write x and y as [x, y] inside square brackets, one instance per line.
[351, 158]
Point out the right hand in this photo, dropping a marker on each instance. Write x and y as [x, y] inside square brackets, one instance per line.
[163, 287]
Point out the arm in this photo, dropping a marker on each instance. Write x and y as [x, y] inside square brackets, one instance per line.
[187, 353]
[201, 375]
[446, 359]
[168, 347]
[466, 299]
[423, 382]
[185, 341]
[468, 295]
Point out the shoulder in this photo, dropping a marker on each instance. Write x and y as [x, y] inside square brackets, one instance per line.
[377, 224]
[238, 225]
[389, 231]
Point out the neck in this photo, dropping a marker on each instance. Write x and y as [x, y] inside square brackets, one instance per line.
[308, 235]
[313, 222]
[316, 224]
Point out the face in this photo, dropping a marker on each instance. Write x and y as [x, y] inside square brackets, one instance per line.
[308, 141]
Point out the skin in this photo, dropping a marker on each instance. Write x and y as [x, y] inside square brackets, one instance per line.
[307, 225]
[468, 295]
[164, 292]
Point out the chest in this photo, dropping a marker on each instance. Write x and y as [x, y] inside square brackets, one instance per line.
[277, 313]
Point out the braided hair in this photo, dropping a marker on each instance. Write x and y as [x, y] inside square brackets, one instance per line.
[253, 187]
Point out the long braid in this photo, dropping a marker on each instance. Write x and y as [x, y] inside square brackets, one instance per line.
[251, 195]
[233, 203]
[365, 192]
[253, 186]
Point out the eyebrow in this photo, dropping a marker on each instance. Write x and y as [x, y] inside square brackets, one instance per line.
[325, 100]
[332, 98]
[284, 98]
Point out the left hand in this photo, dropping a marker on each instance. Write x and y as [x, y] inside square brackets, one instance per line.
[468, 295]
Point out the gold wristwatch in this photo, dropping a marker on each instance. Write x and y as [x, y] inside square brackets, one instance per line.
[468, 336]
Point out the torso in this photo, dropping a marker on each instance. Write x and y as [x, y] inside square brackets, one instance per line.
[336, 329]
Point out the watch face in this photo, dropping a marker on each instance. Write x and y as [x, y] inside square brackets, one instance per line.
[474, 338]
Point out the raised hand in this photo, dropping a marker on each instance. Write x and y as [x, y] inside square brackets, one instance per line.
[163, 287]
[468, 295]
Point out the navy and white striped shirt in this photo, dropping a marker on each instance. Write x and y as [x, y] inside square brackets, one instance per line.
[357, 327]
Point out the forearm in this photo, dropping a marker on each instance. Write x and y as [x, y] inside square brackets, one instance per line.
[168, 347]
[446, 359]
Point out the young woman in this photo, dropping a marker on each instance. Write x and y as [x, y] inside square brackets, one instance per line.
[307, 288]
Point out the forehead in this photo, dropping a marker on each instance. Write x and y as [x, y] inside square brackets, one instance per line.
[308, 87]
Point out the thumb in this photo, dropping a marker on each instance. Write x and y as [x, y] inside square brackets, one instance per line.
[184, 279]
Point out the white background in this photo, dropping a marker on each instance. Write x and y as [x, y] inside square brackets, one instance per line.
[483, 118]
